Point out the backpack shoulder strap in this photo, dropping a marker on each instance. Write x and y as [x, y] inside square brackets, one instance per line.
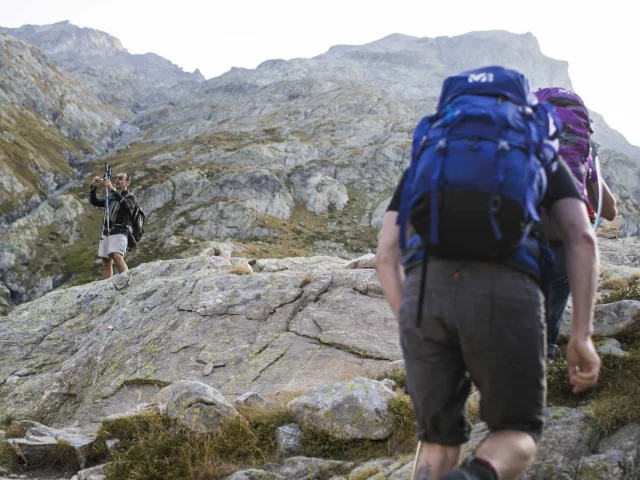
[420, 137]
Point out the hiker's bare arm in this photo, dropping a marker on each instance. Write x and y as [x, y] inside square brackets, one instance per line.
[570, 218]
[609, 204]
[387, 262]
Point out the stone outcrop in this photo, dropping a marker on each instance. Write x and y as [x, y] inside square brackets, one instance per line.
[355, 409]
[196, 406]
[84, 353]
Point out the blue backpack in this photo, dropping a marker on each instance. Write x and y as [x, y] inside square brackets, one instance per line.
[479, 169]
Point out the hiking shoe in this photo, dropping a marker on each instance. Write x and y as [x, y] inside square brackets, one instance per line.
[471, 470]
[461, 473]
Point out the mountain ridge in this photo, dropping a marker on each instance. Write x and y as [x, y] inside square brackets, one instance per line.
[294, 157]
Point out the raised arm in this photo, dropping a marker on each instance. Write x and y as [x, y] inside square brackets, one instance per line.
[93, 197]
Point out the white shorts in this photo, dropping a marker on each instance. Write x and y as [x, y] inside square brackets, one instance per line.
[117, 244]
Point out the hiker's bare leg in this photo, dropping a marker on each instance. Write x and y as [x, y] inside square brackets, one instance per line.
[435, 460]
[107, 268]
[510, 452]
[119, 259]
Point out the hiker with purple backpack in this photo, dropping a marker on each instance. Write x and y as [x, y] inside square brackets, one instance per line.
[578, 151]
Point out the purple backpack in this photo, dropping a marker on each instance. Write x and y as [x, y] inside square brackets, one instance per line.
[575, 139]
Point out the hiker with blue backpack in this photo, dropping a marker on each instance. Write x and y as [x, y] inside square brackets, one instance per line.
[464, 265]
[579, 151]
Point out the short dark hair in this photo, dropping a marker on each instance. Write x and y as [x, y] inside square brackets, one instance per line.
[128, 176]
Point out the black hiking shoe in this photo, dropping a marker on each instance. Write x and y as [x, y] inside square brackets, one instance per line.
[472, 469]
[460, 474]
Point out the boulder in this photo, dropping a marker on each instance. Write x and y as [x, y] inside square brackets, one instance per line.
[36, 444]
[618, 319]
[355, 409]
[93, 473]
[197, 406]
[365, 261]
[569, 435]
[298, 468]
[251, 399]
[254, 474]
[612, 347]
[288, 440]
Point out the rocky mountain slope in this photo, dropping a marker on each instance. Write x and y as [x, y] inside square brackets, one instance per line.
[184, 338]
[48, 121]
[294, 157]
[100, 62]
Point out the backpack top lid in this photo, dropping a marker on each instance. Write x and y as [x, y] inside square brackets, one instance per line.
[547, 94]
[491, 81]
[570, 109]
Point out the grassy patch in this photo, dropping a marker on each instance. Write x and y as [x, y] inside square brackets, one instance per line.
[5, 421]
[8, 457]
[240, 269]
[154, 447]
[64, 454]
[307, 279]
[398, 375]
[615, 283]
[621, 289]
[615, 397]
[37, 148]
[297, 235]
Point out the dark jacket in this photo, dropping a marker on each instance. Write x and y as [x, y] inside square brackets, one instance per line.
[121, 208]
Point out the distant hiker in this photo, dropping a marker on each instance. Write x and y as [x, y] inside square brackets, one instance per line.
[471, 309]
[578, 150]
[117, 220]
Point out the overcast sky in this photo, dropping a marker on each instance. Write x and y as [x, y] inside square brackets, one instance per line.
[600, 41]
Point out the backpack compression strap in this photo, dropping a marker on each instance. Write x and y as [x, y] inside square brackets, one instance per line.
[419, 144]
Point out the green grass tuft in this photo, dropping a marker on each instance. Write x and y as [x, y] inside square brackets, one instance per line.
[621, 289]
[154, 447]
[8, 457]
[614, 398]
[64, 455]
[398, 375]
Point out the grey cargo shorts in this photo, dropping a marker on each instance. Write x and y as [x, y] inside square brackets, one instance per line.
[481, 323]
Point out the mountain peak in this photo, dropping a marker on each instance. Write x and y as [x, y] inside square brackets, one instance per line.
[65, 38]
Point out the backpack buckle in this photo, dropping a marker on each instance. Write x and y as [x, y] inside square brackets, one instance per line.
[496, 204]
[528, 112]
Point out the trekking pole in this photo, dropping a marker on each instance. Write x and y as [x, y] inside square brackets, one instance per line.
[107, 176]
[600, 190]
[415, 461]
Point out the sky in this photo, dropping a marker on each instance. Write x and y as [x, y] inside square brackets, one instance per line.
[599, 41]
